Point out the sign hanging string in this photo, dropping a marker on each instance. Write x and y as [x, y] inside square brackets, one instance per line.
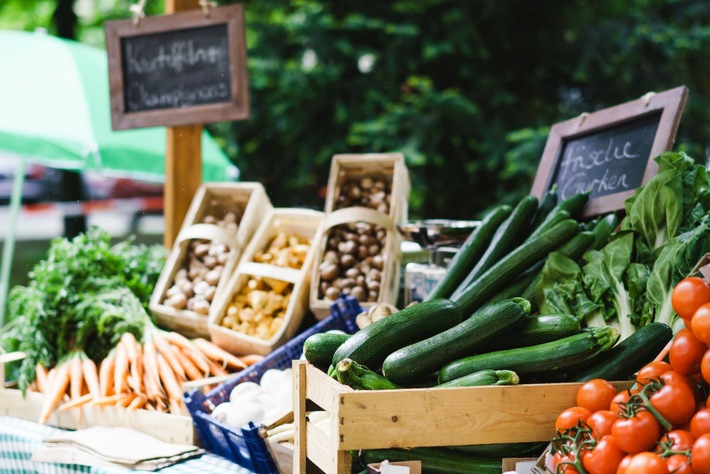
[137, 9]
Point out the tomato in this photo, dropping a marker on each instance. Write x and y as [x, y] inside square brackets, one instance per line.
[700, 422]
[652, 371]
[700, 324]
[604, 458]
[596, 394]
[677, 440]
[675, 402]
[617, 404]
[558, 458]
[638, 433]
[600, 422]
[688, 295]
[679, 464]
[700, 455]
[686, 352]
[624, 464]
[673, 376]
[646, 463]
[570, 417]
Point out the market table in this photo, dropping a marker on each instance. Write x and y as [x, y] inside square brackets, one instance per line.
[20, 438]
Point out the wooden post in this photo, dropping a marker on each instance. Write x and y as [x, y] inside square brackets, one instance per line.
[183, 159]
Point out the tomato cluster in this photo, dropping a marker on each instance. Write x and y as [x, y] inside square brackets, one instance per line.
[661, 425]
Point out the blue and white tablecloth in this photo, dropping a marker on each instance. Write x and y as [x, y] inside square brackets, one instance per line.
[20, 438]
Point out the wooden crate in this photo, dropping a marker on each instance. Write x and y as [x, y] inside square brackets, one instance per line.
[392, 168]
[304, 222]
[248, 200]
[419, 417]
[164, 426]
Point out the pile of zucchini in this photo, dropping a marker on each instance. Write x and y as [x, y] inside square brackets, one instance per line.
[480, 324]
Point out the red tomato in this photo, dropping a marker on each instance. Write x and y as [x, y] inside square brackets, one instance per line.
[652, 371]
[596, 394]
[617, 404]
[700, 324]
[686, 352]
[624, 464]
[700, 455]
[600, 422]
[679, 464]
[675, 402]
[638, 433]
[688, 295]
[571, 417]
[604, 458]
[646, 463]
[673, 376]
[559, 458]
[700, 422]
[677, 440]
[705, 366]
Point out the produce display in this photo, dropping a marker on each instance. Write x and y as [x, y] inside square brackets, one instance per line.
[195, 283]
[661, 424]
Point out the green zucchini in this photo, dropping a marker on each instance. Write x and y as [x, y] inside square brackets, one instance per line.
[319, 348]
[603, 229]
[371, 344]
[623, 360]
[359, 377]
[483, 377]
[425, 357]
[518, 286]
[538, 329]
[503, 450]
[574, 204]
[516, 262]
[550, 356]
[554, 218]
[434, 460]
[470, 251]
[547, 204]
[506, 238]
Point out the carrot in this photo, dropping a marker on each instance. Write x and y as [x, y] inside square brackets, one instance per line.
[76, 373]
[198, 359]
[216, 353]
[109, 400]
[139, 369]
[126, 399]
[120, 369]
[76, 402]
[170, 382]
[150, 362]
[138, 402]
[55, 391]
[105, 373]
[191, 370]
[216, 369]
[164, 349]
[177, 339]
[251, 359]
[41, 374]
[91, 376]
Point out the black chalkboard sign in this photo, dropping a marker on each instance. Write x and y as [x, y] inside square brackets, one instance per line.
[610, 153]
[180, 69]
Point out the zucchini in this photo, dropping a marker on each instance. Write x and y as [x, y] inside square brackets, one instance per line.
[483, 377]
[319, 348]
[574, 204]
[603, 229]
[623, 360]
[370, 345]
[516, 262]
[349, 372]
[553, 219]
[550, 356]
[470, 251]
[434, 460]
[503, 450]
[540, 328]
[518, 286]
[506, 238]
[547, 204]
[425, 357]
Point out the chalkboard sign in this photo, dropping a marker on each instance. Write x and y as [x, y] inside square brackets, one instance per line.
[180, 69]
[609, 153]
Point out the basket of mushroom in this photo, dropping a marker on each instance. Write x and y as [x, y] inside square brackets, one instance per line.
[266, 298]
[359, 254]
[219, 223]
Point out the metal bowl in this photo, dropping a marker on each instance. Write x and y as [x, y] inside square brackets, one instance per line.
[436, 232]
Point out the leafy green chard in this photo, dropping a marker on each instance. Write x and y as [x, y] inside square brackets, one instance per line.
[84, 294]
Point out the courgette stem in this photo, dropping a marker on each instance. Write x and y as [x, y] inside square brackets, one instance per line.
[349, 372]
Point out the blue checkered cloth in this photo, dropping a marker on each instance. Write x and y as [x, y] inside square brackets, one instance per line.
[19, 438]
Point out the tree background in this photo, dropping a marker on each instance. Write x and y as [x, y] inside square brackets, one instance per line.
[466, 90]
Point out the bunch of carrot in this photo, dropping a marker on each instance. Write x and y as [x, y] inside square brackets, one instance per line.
[147, 374]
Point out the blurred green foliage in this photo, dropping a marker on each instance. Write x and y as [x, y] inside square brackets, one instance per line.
[467, 90]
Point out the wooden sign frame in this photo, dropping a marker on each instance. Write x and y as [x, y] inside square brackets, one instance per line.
[669, 104]
[237, 108]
